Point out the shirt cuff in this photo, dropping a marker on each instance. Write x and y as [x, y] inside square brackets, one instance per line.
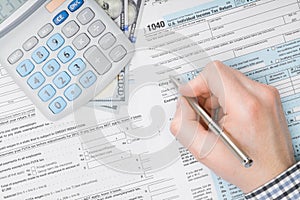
[284, 186]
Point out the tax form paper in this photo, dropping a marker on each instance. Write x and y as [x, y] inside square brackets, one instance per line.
[130, 153]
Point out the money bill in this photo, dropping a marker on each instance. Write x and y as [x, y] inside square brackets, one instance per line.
[135, 10]
[116, 93]
[125, 10]
[114, 8]
[124, 16]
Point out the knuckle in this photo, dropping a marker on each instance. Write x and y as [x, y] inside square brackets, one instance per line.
[218, 64]
[253, 106]
[214, 64]
[270, 95]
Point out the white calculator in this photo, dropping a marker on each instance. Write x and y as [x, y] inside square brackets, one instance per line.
[61, 53]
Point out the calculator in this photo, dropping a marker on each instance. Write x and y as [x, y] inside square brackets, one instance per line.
[61, 53]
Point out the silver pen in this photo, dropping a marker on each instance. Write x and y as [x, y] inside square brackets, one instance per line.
[214, 127]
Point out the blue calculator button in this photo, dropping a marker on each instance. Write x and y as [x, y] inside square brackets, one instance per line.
[40, 55]
[57, 105]
[36, 80]
[72, 92]
[75, 5]
[76, 67]
[87, 79]
[25, 68]
[60, 17]
[66, 54]
[51, 67]
[55, 42]
[61, 80]
[46, 93]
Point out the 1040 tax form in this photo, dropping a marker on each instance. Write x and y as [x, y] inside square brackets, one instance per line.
[130, 153]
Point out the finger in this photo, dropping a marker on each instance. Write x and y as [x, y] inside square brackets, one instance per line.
[203, 144]
[220, 80]
[177, 119]
[183, 113]
[185, 123]
[211, 103]
[187, 111]
[195, 88]
[190, 133]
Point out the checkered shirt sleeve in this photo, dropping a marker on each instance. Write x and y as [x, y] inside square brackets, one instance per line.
[285, 186]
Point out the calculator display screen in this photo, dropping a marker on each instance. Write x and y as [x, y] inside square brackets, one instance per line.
[8, 7]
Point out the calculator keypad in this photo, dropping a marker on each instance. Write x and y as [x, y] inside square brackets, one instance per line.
[55, 42]
[25, 68]
[45, 30]
[15, 56]
[75, 5]
[60, 17]
[72, 92]
[81, 41]
[64, 77]
[30, 43]
[97, 60]
[51, 67]
[85, 16]
[40, 55]
[61, 80]
[76, 67]
[96, 28]
[36, 80]
[70, 29]
[66, 54]
[107, 41]
[88, 79]
[57, 105]
[117, 53]
[47, 92]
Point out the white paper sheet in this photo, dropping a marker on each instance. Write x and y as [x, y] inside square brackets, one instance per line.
[131, 154]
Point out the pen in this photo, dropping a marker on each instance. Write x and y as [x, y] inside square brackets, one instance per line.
[214, 127]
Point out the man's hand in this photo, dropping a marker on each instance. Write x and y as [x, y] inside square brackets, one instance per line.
[249, 111]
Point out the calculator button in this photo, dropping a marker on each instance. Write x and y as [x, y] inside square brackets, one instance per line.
[46, 93]
[96, 28]
[55, 42]
[85, 16]
[51, 67]
[30, 43]
[66, 54]
[75, 5]
[25, 68]
[97, 60]
[107, 41]
[72, 92]
[117, 53]
[81, 41]
[61, 80]
[40, 55]
[60, 17]
[45, 30]
[36, 80]
[70, 29]
[15, 56]
[76, 67]
[57, 105]
[87, 79]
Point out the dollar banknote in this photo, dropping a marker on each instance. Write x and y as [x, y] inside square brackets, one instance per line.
[114, 8]
[135, 9]
[116, 93]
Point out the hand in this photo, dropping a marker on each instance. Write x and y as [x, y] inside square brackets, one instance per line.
[250, 112]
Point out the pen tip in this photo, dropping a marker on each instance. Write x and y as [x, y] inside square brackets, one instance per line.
[174, 80]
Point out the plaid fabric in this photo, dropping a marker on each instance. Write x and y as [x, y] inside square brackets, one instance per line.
[286, 186]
